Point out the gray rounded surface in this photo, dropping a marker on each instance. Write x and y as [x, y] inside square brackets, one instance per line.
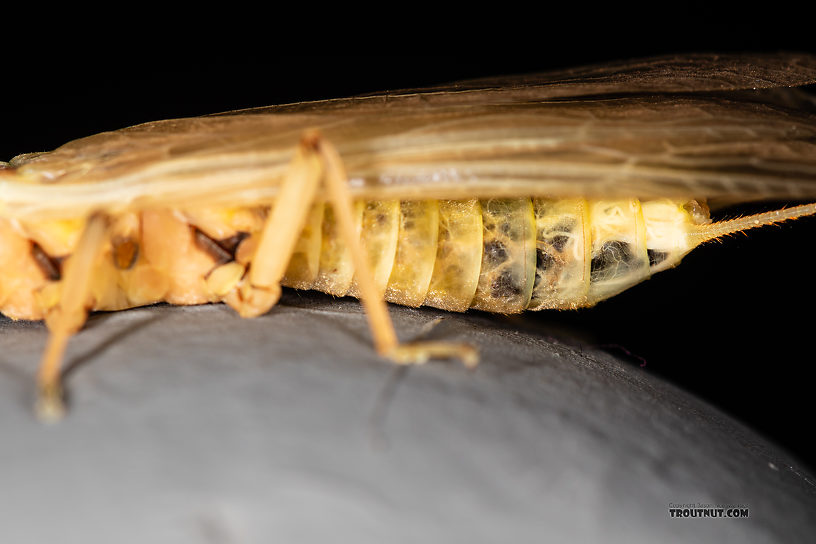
[193, 425]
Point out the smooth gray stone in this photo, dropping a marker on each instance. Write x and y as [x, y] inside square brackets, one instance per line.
[193, 425]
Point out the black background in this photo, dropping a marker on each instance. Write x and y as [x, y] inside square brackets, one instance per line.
[733, 324]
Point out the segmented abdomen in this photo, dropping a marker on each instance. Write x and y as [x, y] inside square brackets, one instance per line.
[501, 255]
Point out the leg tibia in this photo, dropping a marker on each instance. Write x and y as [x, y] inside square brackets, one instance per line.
[382, 329]
[70, 314]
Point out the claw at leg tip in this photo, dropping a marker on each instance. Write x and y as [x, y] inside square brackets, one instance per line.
[470, 357]
[50, 405]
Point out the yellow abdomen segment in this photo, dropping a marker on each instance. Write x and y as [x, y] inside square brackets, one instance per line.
[416, 253]
[510, 255]
[458, 256]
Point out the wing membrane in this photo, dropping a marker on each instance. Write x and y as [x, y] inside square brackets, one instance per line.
[679, 74]
[666, 127]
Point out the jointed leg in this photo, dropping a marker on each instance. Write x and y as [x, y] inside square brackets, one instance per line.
[316, 160]
[69, 316]
[382, 329]
[260, 289]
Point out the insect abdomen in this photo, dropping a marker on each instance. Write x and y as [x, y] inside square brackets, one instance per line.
[500, 255]
[503, 255]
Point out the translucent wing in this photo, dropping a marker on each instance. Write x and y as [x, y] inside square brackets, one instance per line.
[686, 127]
[693, 73]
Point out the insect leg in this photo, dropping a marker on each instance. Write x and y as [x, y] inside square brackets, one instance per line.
[260, 289]
[382, 329]
[69, 315]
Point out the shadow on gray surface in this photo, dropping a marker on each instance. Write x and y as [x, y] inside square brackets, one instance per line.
[193, 425]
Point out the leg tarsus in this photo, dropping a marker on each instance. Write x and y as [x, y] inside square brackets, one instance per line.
[250, 301]
[421, 352]
[50, 407]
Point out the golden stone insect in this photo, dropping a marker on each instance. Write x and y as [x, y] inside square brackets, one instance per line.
[550, 191]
